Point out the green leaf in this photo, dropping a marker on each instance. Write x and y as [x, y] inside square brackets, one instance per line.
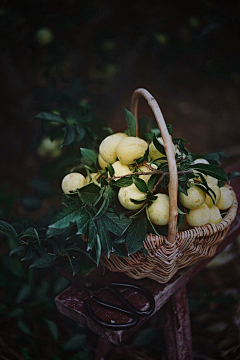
[76, 342]
[136, 234]
[82, 222]
[69, 137]
[88, 194]
[152, 181]
[65, 217]
[103, 208]
[140, 184]
[81, 132]
[115, 224]
[29, 253]
[131, 123]
[182, 187]
[30, 232]
[215, 156]
[143, 124]
[158, 146]
[53, 329]
[8, 229]
[51, 232]
[111, 169]
[109, 198]
[180, 219]
[170, 129]
[89, 155]
[23, 293]
[108, 130]
[17, 249]
[90, 168]
[92, 235]
[148, 136]
[14, 266]
[43, 262]
[144, 251]
[104, 237]
[120, 250]
[180, 211]
[139, 201]
[50, 117]
[212, 170]
[124, 182]
[176, 139]
[233, 175]
[98, 249]
[24, 327]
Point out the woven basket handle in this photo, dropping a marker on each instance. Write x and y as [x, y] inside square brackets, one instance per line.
[167, 140]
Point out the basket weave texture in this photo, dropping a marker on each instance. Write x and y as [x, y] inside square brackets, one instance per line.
[168, 255]
[165, 259]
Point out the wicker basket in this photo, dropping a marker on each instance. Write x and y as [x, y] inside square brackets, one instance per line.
[184, 248]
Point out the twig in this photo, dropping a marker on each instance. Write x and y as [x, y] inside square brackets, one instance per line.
[160, 172]
[159, 181]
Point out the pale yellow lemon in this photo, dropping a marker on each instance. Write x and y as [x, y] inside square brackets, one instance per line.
[159, 210]
[131, 149]
[153, 151]
[199, 217]
[72, 182]
[120, 169]
[211, 180]
[217, 191]
[216, 216]
[226, 198]
[102, 163]
[108, 147]
[195, 198]
[130, 192]
[146, 169]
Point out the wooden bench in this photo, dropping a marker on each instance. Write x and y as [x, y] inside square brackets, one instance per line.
[172, 296]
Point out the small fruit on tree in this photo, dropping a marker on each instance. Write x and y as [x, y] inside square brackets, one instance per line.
[72, 182]
[153, 151]
[211, 180]
[130, 192]
[217, 192]
[108, 147]
[120, 169]
[195, 198]
[145, 169]
[159, 210]
[199, 217]
[216, 216]
[102, 163]
[131, 149]
[226, 198]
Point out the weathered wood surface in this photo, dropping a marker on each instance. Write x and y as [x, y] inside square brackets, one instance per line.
[177, 327]
[70, 302]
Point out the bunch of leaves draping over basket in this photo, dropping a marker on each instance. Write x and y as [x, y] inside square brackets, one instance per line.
[92, 220]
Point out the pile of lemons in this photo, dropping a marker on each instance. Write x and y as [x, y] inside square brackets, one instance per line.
[121, 151]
